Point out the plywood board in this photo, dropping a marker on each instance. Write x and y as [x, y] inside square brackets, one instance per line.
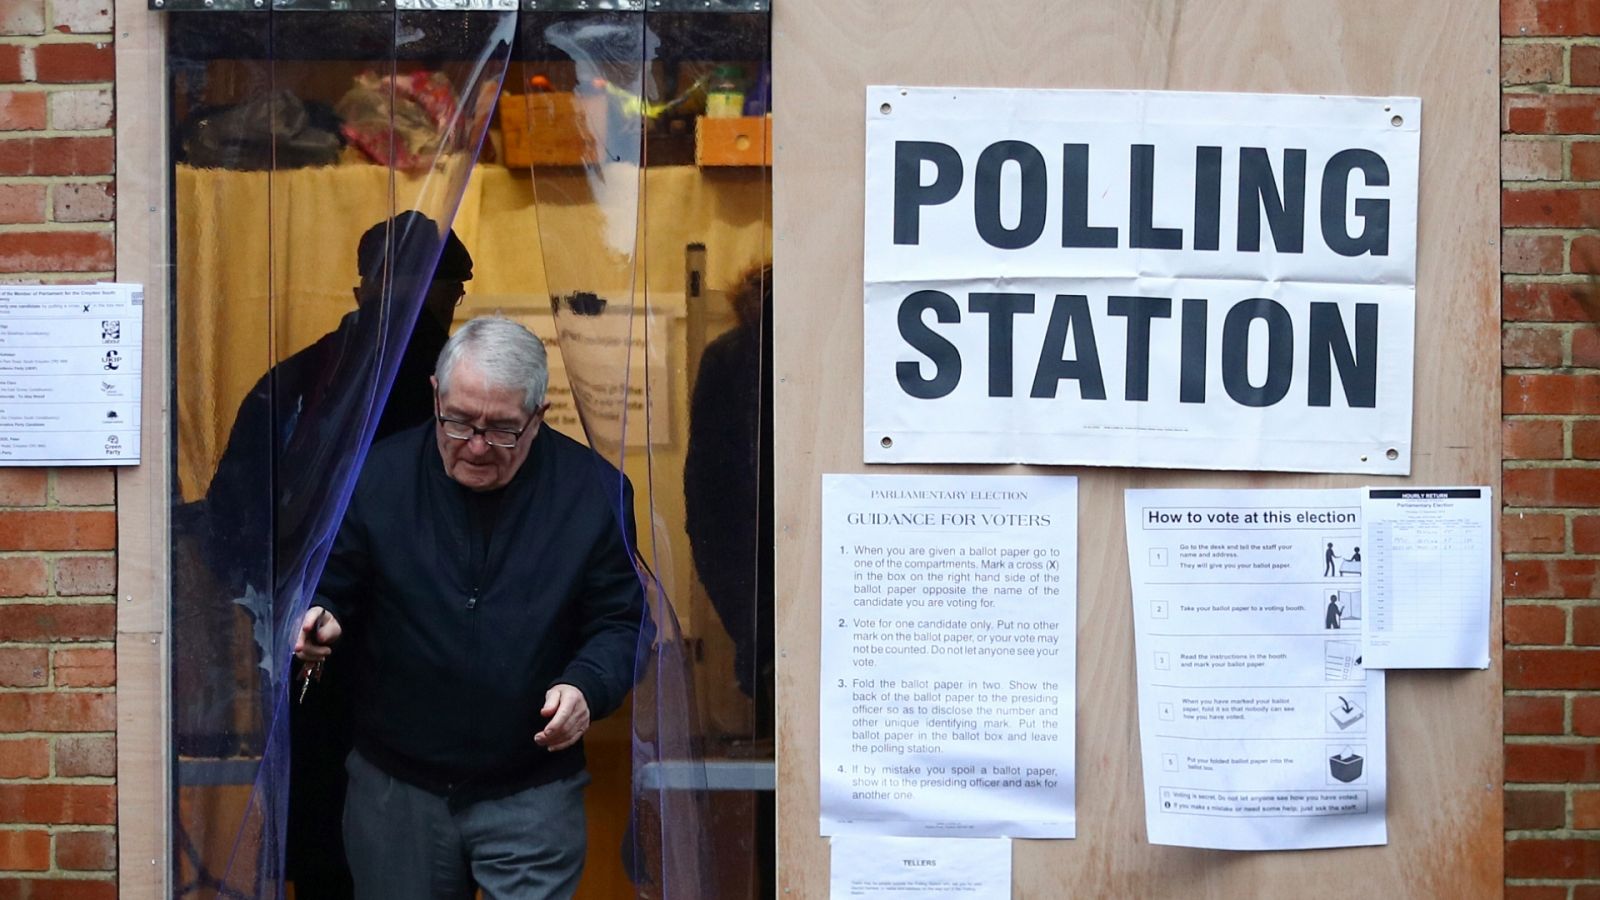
[1445, 728]
[143, 492]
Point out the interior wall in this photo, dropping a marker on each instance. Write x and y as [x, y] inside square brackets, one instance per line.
[1445, 797]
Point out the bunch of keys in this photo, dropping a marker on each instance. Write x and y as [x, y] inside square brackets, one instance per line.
[308, 673]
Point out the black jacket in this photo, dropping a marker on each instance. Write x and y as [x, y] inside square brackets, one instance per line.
[450, 664]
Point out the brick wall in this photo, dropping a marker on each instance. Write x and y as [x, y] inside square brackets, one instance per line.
[1550, 212]
[57, 527]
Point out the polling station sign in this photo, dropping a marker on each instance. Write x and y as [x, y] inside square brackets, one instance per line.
[1140, 278]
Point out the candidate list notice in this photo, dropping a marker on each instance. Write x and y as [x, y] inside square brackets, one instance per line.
[949, 644]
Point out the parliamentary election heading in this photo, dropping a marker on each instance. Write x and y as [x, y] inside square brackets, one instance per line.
[1140, 278]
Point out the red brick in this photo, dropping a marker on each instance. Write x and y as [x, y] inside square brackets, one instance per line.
[88, 667]
[1585, 255]
[1586, 716]
[86, 576]
[1585, 66]
[1527, 625]
[75, 711]
[21, 204]
[22, 487]
[1532, 533]
[1535, 809]
[1586, 347]
[1547, 669]
[1552, 763]
[1586, 534]
[58, 804]
[57, 251]
[24, 667]
[1586, 626]
[1546, 208]
[58, 530]
[81, 16]
[1551, 394]
[1523, 18]
[58, 622]
[1534, 715]
[1538, 63]
[1527, 577]
[85, 487]
[22, 576]
[47, 888]
[1552, 487]
[1532, 439]
[86, 851]
[22, 17]
[1586, 439]
[22, 110]
[1586, 892]
[1520, 254]
[1536, 160]
[1544, 302]
[93, 202]
[1586, 809]
[10, 64]
[58, 156]
[1550, 113]
[24, 851]
[1586, 160]
[79, 756]
[1552, 859]
[25, 758]
[74, 63]
[1525, 347]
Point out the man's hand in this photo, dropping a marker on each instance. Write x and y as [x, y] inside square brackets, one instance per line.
[568, 713]
[318, 631]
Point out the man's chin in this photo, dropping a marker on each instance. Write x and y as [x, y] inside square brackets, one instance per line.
[473, 478]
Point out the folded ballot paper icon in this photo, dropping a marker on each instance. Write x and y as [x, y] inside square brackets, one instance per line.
[1346, 766]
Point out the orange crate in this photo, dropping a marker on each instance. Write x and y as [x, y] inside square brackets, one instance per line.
[552, 129]
[745, 141]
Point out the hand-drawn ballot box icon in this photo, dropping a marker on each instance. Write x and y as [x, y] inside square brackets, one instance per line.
[1346, 766]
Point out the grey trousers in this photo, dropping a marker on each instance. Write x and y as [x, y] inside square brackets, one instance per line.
[404, 843]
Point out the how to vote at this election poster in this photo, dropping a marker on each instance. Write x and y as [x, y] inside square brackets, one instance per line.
[1185, 280]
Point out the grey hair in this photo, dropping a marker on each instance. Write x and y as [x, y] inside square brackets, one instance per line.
[506, 353]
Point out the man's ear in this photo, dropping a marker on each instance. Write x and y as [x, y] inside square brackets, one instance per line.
[434, 380]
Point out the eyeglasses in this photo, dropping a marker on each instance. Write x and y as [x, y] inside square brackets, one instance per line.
[457, 430]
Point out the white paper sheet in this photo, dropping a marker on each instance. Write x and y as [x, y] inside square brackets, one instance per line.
[1426, 577]
[1139, 278]
[1259, 728]
[902, 868]
[70, 363]
[949, 647]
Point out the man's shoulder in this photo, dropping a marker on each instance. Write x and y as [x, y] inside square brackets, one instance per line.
[396, 453]
[575, 464]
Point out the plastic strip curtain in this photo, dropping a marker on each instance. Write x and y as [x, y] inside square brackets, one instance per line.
[296, 179]
[607, 96]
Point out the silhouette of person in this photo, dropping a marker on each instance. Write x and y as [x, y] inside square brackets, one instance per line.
[1356, 556]
[1334, 612]
[1328, 567]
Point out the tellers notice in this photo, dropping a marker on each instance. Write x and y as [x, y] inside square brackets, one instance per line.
[949, 639]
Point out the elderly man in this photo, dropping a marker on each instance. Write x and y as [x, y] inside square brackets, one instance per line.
[482, 585]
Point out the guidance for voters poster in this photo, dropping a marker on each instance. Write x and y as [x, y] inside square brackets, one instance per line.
[949, 655]
[1259, 728]
[1144, 278]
